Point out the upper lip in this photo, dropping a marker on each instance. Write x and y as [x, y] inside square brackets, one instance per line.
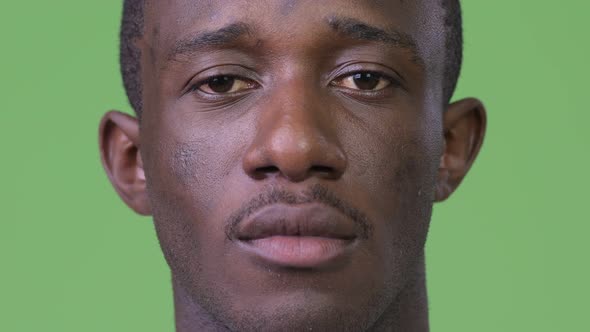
[317, 220]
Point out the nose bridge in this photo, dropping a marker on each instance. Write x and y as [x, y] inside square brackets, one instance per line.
[295, 136]
[295, 118]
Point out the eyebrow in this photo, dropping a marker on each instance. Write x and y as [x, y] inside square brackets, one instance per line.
[226, 35]
[345, 26]
[355, 29]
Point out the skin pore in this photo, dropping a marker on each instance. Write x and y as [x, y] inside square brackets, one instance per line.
[329, 109]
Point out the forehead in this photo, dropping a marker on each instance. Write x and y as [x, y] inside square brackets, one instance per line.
[293, 21]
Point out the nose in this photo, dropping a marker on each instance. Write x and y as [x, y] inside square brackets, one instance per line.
[296, 137]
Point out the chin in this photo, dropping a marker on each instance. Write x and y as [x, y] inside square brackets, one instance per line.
[307, 311]
[355, 308]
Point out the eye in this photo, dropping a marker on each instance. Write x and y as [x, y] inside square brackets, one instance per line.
[365, 81]
[224, 84]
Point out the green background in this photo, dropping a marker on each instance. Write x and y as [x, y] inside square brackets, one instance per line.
[507, 252]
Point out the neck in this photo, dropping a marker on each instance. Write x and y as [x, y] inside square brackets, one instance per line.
[190, 316]
[408, 313]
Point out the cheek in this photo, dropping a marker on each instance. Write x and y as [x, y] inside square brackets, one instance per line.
[396, 163]
[411, 170]
[189, 170]
[415, 169]
[194, 163]
[191, 167]
[181, 171]
[182, 187]
[172, 178]
[397, 167]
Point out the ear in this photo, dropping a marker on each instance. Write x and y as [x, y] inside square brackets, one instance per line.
[464, 127]
[121, 159]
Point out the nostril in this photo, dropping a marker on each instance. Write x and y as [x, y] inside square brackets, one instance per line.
[267, 170]
[316, 158]
[326, 172]
[322, 169]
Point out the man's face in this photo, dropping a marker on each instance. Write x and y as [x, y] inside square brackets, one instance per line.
[292, 151]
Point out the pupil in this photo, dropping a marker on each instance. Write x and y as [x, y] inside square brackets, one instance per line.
[366, 81]
[221, 84]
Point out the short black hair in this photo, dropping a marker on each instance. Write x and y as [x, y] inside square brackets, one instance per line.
[132, 26]
[129, 54]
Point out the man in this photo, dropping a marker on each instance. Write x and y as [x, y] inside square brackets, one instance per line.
[290, 153]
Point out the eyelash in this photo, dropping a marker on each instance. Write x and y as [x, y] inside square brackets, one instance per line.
[392, 83]
[208, 80]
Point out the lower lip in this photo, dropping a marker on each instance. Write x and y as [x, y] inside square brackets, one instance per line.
[300, 251]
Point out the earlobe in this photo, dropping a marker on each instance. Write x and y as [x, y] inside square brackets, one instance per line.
[464, 130]
[121, 159]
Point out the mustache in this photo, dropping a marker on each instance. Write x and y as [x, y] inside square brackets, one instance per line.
[315, 194]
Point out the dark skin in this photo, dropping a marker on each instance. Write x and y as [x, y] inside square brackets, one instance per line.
[334, 106]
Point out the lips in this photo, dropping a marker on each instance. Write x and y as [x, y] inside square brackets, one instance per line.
[298, 236]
